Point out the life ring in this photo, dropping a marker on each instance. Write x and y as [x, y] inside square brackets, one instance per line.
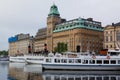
[94, 57]
[108, 57]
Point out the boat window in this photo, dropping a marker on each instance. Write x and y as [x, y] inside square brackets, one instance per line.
[118, 78]
[118, 61]
[48, 78]
[70, 78]
[98, 78]
[78, 78]
[78, 61]
[57, 78]
[92, 61]
[114, 53]
[57, 60]
[63, 78]
[92, 78]
[106, 78]
[114, 78]
[85, 61]
[84, 78]
[113, 61]
[48, 60]
[63, 60]
[71, 60]
[99, 61]
[106, 61]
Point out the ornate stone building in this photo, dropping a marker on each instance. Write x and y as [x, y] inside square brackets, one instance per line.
[112, 36]
[83, 34]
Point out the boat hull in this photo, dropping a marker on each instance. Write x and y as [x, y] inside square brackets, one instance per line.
[20, 59]
[33, 62]
[81, 67]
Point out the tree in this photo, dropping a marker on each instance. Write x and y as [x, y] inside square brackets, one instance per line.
[3, 52]
[61, 47]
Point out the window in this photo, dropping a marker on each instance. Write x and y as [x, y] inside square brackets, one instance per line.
[48, 60]
[71, 60]
[92, 61]
[111, 38]
[106, 46]
[113, 62]
[110, 32]
[57, 60]
[106, 39]
[48, 78]
[85, 61]
[99, 61]
[106, 32]
[110, 46]
[118, 61]
[78, 60]
[63, 60]
[106, 61]
[118, 36]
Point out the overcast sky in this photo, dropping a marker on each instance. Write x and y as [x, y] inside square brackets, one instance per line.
[27, 16]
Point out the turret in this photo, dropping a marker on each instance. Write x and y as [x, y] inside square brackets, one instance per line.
[52, 20]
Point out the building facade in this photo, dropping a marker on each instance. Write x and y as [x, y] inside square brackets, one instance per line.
[112, 36]
[79, 34]
[20, 44]
[40, 40]
[85, 34]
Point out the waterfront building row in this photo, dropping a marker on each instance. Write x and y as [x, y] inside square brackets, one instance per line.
[79, 34]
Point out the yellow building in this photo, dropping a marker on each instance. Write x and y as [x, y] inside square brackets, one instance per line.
[20, 44]
[83, 34]
[112, 36]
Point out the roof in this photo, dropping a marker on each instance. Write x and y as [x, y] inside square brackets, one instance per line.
[117, 24]
[79, 23]
[54, 11]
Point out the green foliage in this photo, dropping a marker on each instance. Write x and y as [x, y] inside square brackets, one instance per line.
[3, 52]
[61, 47]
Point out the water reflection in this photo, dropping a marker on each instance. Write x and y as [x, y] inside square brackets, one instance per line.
[3, 70]
[34, 72]
[81, 75]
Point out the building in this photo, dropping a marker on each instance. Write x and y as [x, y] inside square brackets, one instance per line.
[112, 36]
[20, 44]
[81, 34]
[40, 40]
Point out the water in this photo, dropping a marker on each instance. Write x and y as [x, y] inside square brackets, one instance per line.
[20, 71]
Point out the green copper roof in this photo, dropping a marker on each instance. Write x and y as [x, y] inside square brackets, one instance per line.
[54, 10]
[79, 23]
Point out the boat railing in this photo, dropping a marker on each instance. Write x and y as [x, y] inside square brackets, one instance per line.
[34, 55]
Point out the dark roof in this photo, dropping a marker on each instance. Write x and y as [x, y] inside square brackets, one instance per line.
[117, 24]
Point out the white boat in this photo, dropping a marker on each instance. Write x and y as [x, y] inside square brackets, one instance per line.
[34, 59]
[77, 61]
[2, 58]
[20, 59]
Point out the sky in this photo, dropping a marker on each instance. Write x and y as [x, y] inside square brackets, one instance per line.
[27, 16]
